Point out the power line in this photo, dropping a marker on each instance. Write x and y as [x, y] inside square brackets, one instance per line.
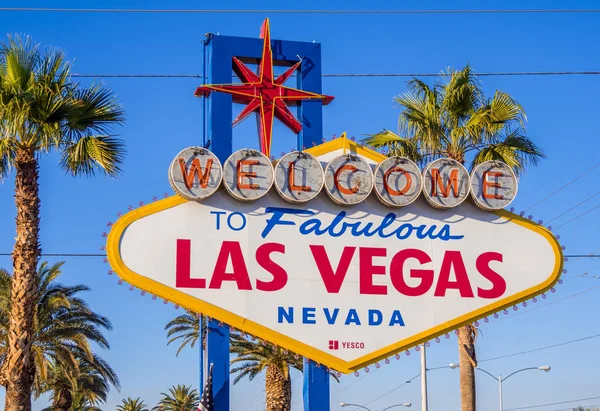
[280, 11]
[551, 403]
[342, 75]
[392, 390]
[580, 215]
[354, 382]
[64, 254]
[550, 303]
[564, 186]
[572, 208]
[565, 171]
[541, 348]
[591, 255]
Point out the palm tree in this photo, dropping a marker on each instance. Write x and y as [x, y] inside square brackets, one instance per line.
[455, 120]
[63, 328]
[179, 398]
[42, 110]
[255, 357]
[130, 404]
[81, 403]
[186, 327]
[90, 381]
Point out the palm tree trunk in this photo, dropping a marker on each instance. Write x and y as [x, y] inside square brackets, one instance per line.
[26, 254]
[63, 400]
[466, 356]
[279, 389]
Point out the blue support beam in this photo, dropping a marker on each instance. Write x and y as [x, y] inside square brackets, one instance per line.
[218, 355]
[221, 50]
[316, 388]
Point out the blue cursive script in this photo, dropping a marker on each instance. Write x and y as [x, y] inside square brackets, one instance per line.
[388, 227]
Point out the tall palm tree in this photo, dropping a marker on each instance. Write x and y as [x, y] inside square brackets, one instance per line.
[43, 110]
[254, 357]
[186, 327]
[179, 398]
[130, 404]
[64, 327]
[455, 120]
[91, 381]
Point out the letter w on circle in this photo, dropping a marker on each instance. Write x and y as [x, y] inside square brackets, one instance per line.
[333, 280]
[195, 172]
[439, 183]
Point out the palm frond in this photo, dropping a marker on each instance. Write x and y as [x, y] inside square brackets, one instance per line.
[516, 150]
[91, 153]
[394, 145]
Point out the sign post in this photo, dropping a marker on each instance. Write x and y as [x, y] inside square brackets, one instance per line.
[225, 54]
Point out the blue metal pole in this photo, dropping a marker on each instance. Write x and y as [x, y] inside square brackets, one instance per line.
[201, 347]
[316, 388]
[218, 355]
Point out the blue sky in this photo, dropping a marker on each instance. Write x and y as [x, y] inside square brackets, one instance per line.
[163, 117]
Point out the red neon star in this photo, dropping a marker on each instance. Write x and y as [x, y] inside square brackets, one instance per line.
[263, 94]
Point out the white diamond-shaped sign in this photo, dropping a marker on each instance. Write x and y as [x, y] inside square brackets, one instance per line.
[344, 286]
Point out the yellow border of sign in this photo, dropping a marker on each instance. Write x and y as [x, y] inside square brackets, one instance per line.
[265, 333]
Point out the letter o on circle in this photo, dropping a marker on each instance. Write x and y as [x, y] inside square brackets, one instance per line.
[195, 173]
[398, 181]
[348, 179]
[247, 175]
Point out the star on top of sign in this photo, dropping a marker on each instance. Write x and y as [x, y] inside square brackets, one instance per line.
[264, 94]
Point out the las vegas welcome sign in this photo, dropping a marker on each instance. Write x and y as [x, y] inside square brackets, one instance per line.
[337, 253]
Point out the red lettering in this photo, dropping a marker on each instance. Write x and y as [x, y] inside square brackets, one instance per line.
[437, 182]
[195, 168]
[487, 184]
[241, 174]
[367, 270]
[183, 260]
[333, 280]
[292, 179]
[453, 259]
[230, 250]
[263, 258]
[391, 191]
[339, 186]
[498, 283]
[397, 272]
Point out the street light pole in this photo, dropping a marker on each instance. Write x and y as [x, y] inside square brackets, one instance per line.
[424, 405]
[345, 404]
[500, 387]
[500, 380]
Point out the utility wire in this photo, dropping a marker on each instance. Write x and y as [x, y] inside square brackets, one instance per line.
[549, 303]
[591, 255]
[341, 75]
[314, 11]
[572, 208]
[550, 403]
[392, 390]
[541, 348]
[564, 186]
[580, 215]
[565, 171]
